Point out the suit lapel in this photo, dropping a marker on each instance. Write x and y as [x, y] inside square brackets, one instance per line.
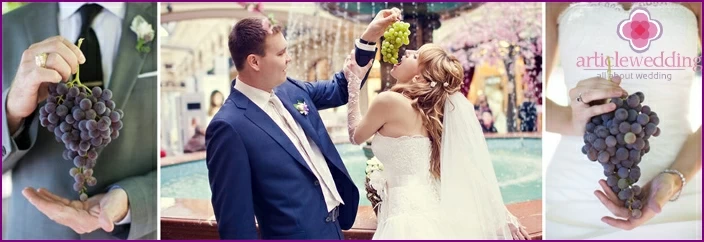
[263, 121]
[300, 118]
[43, 22]
[129, 61]
[306, 125]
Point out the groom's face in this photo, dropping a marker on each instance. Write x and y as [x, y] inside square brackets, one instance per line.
[276, 59]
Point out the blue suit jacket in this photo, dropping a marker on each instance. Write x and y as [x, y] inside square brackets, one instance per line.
[254, 169]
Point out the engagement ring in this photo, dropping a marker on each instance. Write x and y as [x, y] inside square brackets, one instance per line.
[579, 98]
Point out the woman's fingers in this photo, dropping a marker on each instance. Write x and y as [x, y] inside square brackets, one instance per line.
[597, 110]
[607, 190]
[592, 94]
[616, 209]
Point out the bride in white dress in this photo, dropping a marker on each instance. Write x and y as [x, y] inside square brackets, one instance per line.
[578, 204]
[438, 180]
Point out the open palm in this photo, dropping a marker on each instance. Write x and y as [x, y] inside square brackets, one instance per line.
[657, 192]
[80, 216]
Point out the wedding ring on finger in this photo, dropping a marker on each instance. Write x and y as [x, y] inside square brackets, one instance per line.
[40, 60]
[579, 98]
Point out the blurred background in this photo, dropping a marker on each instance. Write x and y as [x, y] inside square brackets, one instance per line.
[498, 44]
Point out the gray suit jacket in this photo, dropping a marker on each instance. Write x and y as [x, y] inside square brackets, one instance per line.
[130, 161]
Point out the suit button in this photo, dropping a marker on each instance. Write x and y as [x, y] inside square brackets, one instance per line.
[3, 151]
[317, 183]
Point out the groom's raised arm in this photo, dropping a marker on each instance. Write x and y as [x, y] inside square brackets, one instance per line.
[333, 93]
[230, 182]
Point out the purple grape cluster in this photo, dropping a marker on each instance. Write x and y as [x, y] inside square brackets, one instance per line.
[618, 140]
[84, 121]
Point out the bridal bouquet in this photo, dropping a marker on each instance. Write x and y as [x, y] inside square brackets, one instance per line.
[374, 181]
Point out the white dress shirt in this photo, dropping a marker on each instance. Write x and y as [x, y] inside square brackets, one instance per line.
[107, 26]
[320, 169]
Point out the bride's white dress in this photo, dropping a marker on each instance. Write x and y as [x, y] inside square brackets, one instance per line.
[412, 200]
[572, 210]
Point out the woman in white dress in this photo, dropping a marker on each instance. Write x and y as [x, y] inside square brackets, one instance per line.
[438, 181]
[579, 203]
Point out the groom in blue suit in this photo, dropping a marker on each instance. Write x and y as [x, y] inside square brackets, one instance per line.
[269, 155]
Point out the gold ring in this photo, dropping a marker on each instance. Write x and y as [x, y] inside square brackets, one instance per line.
[40, 59]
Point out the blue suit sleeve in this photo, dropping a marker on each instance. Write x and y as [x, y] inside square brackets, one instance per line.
[333, 93]
[230, 182]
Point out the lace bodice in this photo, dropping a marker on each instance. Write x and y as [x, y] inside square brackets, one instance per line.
[406, 159]
[410, 187]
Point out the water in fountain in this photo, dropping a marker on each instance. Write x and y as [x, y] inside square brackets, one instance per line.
[312, 37]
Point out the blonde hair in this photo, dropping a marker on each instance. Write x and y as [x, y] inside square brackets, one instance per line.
[436, 65]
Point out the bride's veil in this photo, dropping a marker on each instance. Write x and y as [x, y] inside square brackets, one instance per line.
[471, 202]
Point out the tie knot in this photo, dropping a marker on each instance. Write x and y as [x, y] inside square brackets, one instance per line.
[88, 13]
[272, 99]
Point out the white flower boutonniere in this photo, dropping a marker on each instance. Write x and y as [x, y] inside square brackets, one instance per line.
[302, 107]
[144, 31]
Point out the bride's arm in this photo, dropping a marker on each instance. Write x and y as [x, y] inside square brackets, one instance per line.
[697, 9]
[571, 120]
[360, 127]
[689, 158]
[559, 119]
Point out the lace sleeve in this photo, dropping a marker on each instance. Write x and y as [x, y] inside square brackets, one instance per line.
[353, 113]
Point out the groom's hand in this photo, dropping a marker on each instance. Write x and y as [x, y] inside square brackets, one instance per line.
[99, 211]
[383, 19]
[352, 68]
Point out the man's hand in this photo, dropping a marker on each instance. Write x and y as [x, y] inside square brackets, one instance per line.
[383, 20]
[99, 211]
[351, 68]
[30, 85]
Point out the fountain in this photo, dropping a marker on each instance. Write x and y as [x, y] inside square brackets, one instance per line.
[503, 32]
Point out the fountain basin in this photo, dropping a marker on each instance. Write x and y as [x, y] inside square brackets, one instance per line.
[517, 163]
[186, 211]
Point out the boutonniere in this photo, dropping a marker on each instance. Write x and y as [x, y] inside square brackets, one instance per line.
[145, 33]
[302, 107]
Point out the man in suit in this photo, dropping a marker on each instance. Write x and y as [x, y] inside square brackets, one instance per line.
[39, 48]
[268, 152]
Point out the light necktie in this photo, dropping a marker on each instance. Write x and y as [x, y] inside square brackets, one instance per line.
[322, 170]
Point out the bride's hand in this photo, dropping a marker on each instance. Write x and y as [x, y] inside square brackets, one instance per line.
[592, 89]
[519, 233]
[656, 194]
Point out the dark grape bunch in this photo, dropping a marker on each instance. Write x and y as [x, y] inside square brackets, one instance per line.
[394, 36]
[84, 121]
[618, 140]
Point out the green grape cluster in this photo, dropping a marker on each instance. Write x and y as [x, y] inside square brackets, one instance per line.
[395, 36]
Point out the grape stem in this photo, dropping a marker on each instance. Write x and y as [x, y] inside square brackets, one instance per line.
[77, 81]
[608, 63]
